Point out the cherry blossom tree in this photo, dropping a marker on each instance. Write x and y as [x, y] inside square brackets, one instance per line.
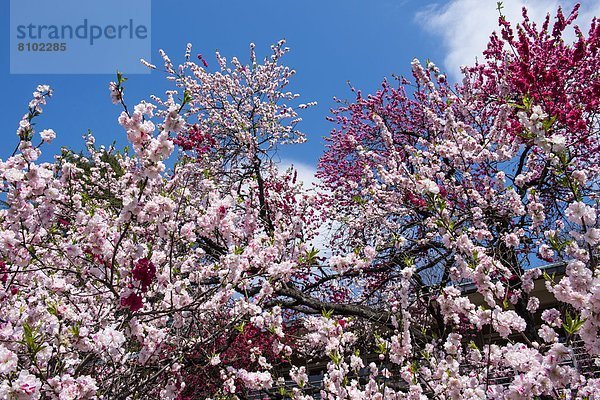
[118, 275]
[483, 182]
[124, 278]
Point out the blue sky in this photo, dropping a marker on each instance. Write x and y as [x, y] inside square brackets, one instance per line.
[331, 42]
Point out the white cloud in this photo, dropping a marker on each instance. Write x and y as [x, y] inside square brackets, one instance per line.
[306, 174]
[464, 26]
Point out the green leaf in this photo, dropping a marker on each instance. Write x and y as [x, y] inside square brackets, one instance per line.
[335, 357]
[238, 250]
[120, 78]
[32, 339]
[572, 325]
[414, 367]
[547, 123]
[187, 97]
[527, 102]
[53, 309]
[357, 199]
[240, 327]
[310, 257]
[75, 329]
